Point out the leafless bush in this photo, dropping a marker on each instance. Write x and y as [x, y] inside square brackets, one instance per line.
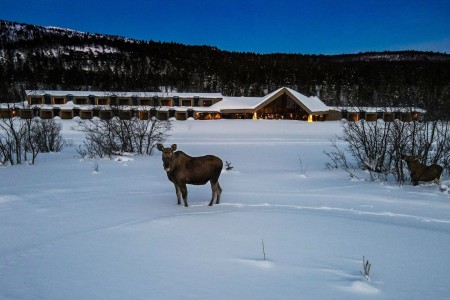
[31, 143]
[339, 159]
[302, 168]
[366, 268]
[428, 140]
[108, 138]
[12, 134]
[23, 139]
[263, 249]
[47, 134]
[377, 147]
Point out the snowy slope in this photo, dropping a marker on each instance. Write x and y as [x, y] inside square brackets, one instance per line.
[69, 232]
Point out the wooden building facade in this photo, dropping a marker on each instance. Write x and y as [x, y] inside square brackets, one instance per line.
[283, 103]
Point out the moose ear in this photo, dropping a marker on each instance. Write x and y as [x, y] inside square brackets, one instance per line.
[160, 147]
[174, 147]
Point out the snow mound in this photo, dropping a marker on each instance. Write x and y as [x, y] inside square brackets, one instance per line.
[363, 288]
[259, 263]
[123, 159]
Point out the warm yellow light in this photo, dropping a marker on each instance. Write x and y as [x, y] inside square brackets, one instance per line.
[255, 116]
[310, 119]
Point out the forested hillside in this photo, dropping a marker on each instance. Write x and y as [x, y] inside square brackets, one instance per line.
[34, 57]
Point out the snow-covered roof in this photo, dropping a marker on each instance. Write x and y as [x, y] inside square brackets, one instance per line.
[310, 104]
[237, 103]
[122, 94]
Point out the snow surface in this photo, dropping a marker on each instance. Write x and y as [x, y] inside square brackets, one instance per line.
[69, 232]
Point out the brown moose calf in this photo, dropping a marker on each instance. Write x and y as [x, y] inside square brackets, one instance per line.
[183, 169]
[421, 172]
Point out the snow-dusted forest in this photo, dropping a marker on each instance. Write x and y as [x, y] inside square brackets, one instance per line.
[36, 57]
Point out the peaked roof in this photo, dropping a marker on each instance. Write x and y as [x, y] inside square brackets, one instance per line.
[312, 104]
[309, 104]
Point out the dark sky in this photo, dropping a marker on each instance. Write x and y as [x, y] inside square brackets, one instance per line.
[287, 26]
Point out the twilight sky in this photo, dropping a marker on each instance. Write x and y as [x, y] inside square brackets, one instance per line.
[261, 26]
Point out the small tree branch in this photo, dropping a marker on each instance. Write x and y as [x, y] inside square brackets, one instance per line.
[263, 249]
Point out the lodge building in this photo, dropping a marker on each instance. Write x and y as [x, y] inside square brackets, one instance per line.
[283, 103]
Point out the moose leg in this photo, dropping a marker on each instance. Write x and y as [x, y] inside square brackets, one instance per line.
[213, 190]
[216, 191]
[437, 180]
[178, 191]
[184, 193]
[219, 192]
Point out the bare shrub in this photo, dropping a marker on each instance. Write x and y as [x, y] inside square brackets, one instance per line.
[367, 144]
[12, 134]
[377, 147]
[23, 139]
[339, 159]
[47, 135]
[366, 268]
[263, 249]
[302, 168]
[108, 138]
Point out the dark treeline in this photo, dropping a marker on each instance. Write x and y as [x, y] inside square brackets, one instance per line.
[34, 57]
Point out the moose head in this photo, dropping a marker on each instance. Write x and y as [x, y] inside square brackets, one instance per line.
[167, 155]
[411, 158]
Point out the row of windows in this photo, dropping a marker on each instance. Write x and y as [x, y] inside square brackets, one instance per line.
[356, 116]
[107, 114]
[121, 101]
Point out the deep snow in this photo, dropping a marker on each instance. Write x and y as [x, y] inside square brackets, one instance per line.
[69, 232]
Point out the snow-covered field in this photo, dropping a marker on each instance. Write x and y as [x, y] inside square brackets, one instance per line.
[68, 232]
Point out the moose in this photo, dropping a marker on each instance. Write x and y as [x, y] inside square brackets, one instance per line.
[421, 172]
[183, 169]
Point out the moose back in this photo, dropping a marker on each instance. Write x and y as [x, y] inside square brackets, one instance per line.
[421, 172]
